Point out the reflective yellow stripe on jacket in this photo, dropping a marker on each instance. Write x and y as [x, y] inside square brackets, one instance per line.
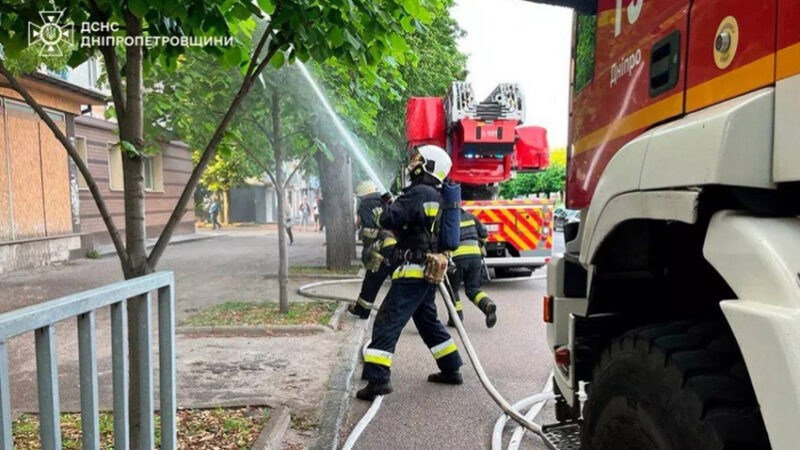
[467, 248]
[431, 209]
[409, 271]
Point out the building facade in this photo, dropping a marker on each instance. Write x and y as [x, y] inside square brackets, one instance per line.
[46, 211]
[39, 220]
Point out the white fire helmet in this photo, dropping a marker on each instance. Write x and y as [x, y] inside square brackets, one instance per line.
[365, 188]
[433, 160]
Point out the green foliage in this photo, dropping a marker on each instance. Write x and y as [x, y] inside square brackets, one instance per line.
[585, 50]
[546, 181]
[373, 104]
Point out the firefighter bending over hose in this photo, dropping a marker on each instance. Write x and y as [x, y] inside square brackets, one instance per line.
[378, 247]
[412, 216]
[468, 267]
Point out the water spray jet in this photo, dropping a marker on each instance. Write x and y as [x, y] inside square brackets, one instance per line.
[355, 149]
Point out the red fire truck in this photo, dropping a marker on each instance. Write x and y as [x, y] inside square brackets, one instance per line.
[678, 299]
[488, 145]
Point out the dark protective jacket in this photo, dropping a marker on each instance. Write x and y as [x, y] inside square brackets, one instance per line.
[412, 217]
[366, 205]
[473, 235]
[471, 228]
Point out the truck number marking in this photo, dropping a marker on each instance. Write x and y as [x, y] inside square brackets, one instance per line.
[634, 10]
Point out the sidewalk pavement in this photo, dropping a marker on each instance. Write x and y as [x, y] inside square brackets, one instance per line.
[238, 264]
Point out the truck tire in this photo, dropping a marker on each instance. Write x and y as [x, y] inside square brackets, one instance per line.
[674, 386]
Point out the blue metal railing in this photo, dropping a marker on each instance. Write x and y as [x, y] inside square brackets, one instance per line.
[42, 319]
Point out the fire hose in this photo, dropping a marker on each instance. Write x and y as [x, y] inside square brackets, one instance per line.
[525, 421]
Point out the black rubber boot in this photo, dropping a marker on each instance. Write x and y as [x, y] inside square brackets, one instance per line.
[372, 390]
[446, 378]
[358, 310]
[490, 309]
[452, 324]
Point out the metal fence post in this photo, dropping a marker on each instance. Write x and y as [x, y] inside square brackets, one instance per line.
[141, 369]
[47, 377]
[166, 364]
[119, 363]
[5, 400]
[87, 360]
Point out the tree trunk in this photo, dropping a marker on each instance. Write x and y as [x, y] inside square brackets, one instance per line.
[131, 131]
[337, 188]
[226, 210]
[283, 254]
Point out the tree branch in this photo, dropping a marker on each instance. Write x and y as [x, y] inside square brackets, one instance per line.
[261, 165]
[82, 167]
[263, 129]
[265, 38]
[300, 164]
[205, 158]
[112, 66]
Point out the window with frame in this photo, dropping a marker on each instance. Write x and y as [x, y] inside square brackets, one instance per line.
[153, 173]
[115, 176]
[585, 43]
[83, 152]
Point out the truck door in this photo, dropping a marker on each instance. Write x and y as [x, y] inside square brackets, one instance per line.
[731, 49]
[628, 75]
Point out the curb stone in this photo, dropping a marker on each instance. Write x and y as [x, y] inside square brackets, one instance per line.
[108, 250]
[333, 324]
[254, 331]
[337, 397]
[314, 276]
[271, 437]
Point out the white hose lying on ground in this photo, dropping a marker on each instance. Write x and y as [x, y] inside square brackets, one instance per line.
[536, 408]
[362, 424]
[476, 364]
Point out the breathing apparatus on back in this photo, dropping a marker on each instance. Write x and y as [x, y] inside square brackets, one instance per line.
[430, 165]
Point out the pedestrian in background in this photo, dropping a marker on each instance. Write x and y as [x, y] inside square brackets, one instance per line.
[213, 211]
[305, 213]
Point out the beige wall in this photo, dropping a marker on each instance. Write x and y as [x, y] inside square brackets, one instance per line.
[176, 167]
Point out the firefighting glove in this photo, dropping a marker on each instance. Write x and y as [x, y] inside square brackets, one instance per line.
[373, 260]
[387, 199]
[377, 213]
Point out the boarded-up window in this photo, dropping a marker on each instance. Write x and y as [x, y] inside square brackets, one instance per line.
[154, 173]
[115, 168]
[80, 145]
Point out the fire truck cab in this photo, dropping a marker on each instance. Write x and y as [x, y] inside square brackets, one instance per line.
[678, 299]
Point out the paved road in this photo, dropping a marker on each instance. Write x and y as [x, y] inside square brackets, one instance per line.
[421, 415]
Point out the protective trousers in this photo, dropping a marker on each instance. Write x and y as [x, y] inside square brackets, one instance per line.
[408, 299]
[469, 270]
[369, 289]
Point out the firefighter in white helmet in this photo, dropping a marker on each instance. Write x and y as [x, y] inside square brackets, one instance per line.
[378, 246]
[412, 217]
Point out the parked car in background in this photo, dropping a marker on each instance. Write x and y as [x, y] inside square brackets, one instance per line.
[562, 216]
